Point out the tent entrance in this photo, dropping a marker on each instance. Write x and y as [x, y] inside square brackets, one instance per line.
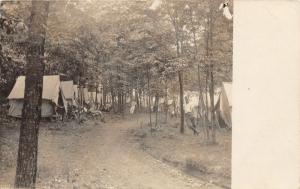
[16, 106]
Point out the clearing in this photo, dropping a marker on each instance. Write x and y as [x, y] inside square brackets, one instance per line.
[119, 154]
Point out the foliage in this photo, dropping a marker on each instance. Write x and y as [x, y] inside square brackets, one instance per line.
[121, 43]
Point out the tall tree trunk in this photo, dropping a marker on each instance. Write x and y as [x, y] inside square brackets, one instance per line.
[137, 100]
[122, 103]
[166, 102]
[31, 113]
[104, 96]
[149, 97]
[124, 97]
[181, 102]
[179, 51]
[96, 98]
[140, 99]
[206, 108]
[136, 94]
[211, 91]
[212, 104]
[156, 108]
[113, 100]
[201, 101]
[119, 102]
[131, 96]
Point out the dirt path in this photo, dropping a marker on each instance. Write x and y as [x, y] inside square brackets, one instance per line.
[102, 156]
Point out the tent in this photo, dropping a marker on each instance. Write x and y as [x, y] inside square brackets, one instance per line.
[226, 103]
[222, 103]
[86, 95]
[67, 88]
[52, 96]
[83, 95]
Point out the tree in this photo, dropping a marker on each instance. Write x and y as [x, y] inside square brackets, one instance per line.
[142, 47]
[12, 55]
[28, 141]
[214, 34]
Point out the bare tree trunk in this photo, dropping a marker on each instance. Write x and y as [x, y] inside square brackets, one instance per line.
[156, 108]
[140, 98]
[131, 95]
[166, 102]
[180, 85]
[104, 96]
[213, 126]
[206, 108]
[149, 97]
[137, 100]
[96, 98]
[113, 100]
[179, 51]
[211, 91]
[28, 142]
[201, 101]
[136, 95]
[123, 103]
[181, 102]
[119, 102]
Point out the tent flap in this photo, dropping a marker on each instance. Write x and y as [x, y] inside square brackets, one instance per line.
[16, 106]
[226, 103]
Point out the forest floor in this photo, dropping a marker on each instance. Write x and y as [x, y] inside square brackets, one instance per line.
[119, 154]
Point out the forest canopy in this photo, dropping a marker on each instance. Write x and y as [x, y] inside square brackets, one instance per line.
[114, 43]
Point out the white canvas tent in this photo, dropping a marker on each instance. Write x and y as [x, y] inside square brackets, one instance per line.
[226, 103]
[86, 95]
[52, 96]
[69, 93]
[83, 95]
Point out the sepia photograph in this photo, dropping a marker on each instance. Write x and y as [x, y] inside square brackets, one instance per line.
[116, 94]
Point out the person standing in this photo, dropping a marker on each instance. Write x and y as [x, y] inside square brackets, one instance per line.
[188, 111]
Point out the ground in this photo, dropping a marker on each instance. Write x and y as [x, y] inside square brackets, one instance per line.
[119, 154]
